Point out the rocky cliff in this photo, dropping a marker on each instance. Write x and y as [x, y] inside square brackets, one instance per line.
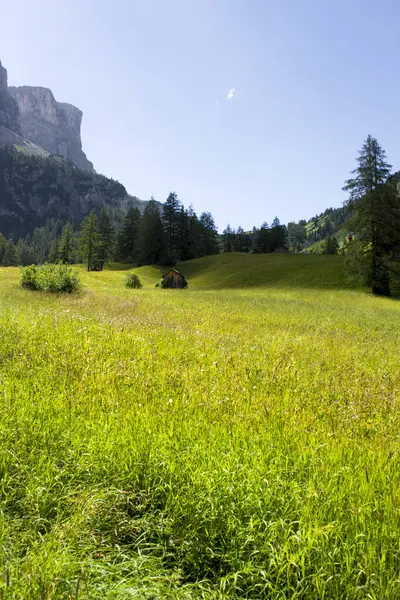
[8, 106]
[52, 125]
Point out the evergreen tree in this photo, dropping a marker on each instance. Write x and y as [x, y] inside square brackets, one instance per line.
[262, 239]
[128, 237]
[10, 258]
[277, 235]
[106, 239]
[171, 220]
[66, 248]
[54, 251]
[25, 253]
[2, 248]
[89, 241]
[208, 235]
[375, 218]
[242, 241]
[152, 248]
[228, 236]
[331, 245]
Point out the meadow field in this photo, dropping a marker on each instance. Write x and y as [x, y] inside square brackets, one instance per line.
[238, 439]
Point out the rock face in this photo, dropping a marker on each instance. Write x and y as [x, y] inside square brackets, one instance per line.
[8, 106]
[52, 125]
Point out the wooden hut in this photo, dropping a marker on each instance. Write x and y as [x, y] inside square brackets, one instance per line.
[173, 279]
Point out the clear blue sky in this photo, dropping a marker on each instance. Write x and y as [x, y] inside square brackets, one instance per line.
[312, 78]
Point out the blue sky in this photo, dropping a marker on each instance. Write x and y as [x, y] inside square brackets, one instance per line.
[312, 78]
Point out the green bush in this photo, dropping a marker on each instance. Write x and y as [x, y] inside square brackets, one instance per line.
[132, 281]
[162, 283]
[50, 278]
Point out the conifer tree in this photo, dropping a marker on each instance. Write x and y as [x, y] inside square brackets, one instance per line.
[66, 247]
[2, 247]
[54, 250]
[375, 218]
[106, 239]
[208, 238]
[10, 258]
[171, 221]
[152, 248]
[89, 241]
[128, 237]
[228, 236]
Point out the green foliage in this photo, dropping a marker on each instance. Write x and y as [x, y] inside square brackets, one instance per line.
[2, 247]
[161, 283]
[10, 255]
[106, 238]
[152, 248]
[50, 278]
[89, 242]
[66, 248]
[172, 227]
[128, 237]
[34, 189]
[331, 245]
[132, 281]
[201, 445]
[375, 218]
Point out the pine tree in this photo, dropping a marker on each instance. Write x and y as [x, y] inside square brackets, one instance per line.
[89, 241]
[171, 221]
[208, 238]
[375, 218]
[54, 250]
[331, 245]
[228, 236]
[106, 239]
[10, 258]
[128, 237]
[2, 247]
[24, 253]
[262, 239]
[66, 248]
[152, 248]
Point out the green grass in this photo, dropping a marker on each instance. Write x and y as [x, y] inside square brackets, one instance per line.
[239, 439]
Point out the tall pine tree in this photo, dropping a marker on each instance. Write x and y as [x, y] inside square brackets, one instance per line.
[128, 237]
[375, 218]
[152, 248]
[171, 219]
[106, 239]
[89, 241]
[66, 248]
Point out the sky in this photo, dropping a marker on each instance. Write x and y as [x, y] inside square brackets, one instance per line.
[250, 109]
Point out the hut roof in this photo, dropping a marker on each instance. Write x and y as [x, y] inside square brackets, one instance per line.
[174, 271]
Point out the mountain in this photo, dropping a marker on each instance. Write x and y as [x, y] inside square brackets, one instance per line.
[44, 173]
[10, 126]
[52, 125]
[32, 119]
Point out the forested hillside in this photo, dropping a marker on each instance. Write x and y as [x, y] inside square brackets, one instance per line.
[34, 189]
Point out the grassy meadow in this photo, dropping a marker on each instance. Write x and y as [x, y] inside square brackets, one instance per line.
[238, 439]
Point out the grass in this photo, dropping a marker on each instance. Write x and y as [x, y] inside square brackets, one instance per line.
[208, 443]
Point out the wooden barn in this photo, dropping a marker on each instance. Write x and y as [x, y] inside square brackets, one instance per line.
[173, 279]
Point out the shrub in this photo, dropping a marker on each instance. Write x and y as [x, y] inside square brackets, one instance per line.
[162, 283]
[29, 277]
[132, 281]
[50, 278]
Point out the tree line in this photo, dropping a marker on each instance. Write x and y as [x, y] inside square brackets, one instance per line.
[154, 237]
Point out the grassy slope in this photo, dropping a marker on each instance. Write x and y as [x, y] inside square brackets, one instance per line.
[204, 443]
[260, 270]
[236, 270]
